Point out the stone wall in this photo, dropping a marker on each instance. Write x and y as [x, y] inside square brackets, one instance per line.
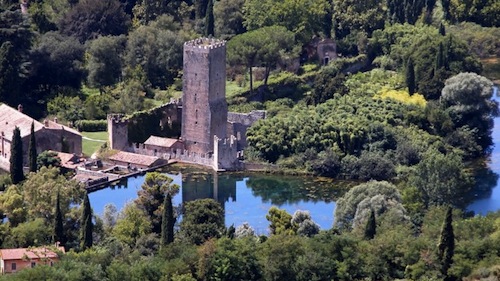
[238, 124]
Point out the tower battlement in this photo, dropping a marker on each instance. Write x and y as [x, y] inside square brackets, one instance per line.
[204, 43]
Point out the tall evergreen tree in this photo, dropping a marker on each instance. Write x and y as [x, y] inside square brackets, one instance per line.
[16, 157]
[410, 76]
[442, 29]
[440, 57]
[209, 19]
[58, 223]
[32, 150]
[167, 222]
[371, 226]
[446, 246]
[86, 224]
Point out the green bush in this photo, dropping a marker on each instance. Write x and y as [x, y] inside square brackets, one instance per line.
[91, 125]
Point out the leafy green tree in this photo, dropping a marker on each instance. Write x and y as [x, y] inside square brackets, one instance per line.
[279, 257]
[90, 18]
[167, 221]
[303, 224]
[410, 76]
[280, 221]
[263, 46]
[468, 99]
[157, 50]
[203, 219]
[16, 157]
[152, 195]
[209, 19]
[132, 223]
[32, 157]
[30, 233]
[244, 230]
[57, 64]
[59, 235]
[359, 200]
[371, 226]
[228, 16]
[303, 17]
[353, 15]
[446, 246]
[104, 64]
[48, 159]
[86, 224]
[442, 179]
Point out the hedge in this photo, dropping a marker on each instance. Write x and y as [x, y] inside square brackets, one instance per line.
[91, 125]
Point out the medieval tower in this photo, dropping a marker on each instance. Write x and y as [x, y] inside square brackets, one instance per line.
[204, 106]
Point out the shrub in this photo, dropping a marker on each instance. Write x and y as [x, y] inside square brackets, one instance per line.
[91, 125]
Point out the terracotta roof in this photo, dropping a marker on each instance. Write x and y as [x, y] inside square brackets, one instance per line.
[159, 141]
[11, 118]
[133, 158]
[68, 160]
[30, 253]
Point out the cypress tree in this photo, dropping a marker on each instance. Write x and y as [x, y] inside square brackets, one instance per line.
[58, 223]
[209, 19]
[86, 224]
[167, 222]
[446, 246]
[16, 157]
[371, 226]
[442, 29]
[439, 57]
[410, 76]
[32, 150]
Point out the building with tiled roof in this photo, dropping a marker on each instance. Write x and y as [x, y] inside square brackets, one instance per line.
[50, 135]
[133, 160]
[13, 260]
[161, 145]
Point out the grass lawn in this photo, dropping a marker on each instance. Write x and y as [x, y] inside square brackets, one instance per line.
[92, 141]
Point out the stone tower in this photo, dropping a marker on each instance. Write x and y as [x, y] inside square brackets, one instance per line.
[204, 106]
[117, 131]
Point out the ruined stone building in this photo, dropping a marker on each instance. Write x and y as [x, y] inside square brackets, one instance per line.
[210, 135]
[50, 135]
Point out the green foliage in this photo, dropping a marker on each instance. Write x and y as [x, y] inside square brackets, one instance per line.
[467, 96]
[167, 221]
[361, 199]
[83, 18]
[484, 13]
[151, 196]
[132, 223]
[302, 17]
[353, 16]
[32, 155]
[48, 159]
[104, 62]
[209, 19]
[410, 76]
[446, 246]
[91, 125]
[228, 18]
[59, 235]
[280, 221]
[203, 219]
[442, 179]
[16, 157]
[371, 226]
[261, 47]
[66, 108]
[87, 226]
[482, 41]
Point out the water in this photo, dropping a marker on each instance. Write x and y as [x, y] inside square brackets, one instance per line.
[245, 197]
[487, 192]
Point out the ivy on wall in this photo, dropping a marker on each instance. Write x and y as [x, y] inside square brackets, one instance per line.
[143, 124]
